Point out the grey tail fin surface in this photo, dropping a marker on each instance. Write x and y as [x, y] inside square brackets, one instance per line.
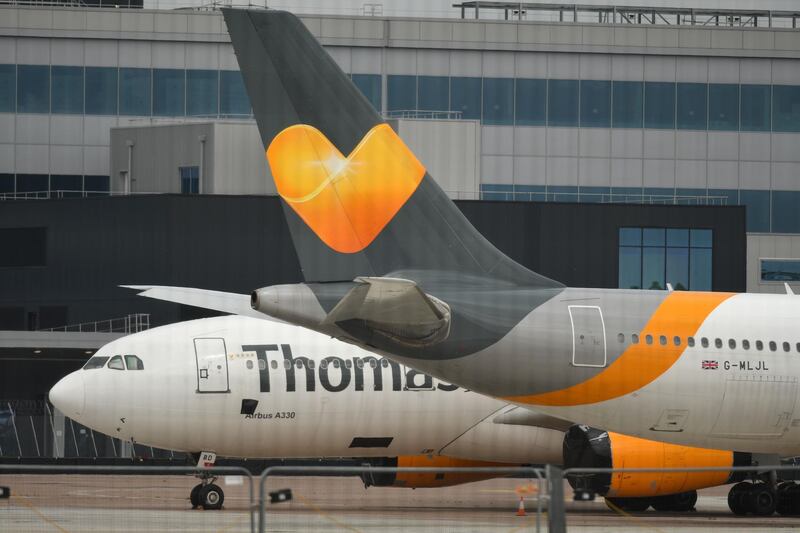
[356, 199]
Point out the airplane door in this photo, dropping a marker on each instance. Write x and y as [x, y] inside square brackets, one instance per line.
[212, 365]
[588, 335]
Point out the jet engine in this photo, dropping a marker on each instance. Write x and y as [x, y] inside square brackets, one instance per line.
[587, 447]
[426, 480]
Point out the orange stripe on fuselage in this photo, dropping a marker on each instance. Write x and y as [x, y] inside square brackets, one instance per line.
[680, 314]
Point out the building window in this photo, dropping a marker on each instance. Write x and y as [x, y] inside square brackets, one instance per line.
[786, 108]
[530, 102]
[66, 185]
[628, 104]
[692, 106]
[33, 89]
[780, 270]
[202, 88]
[659, 105]
[169, 86]
[401, 93]
[67, 90]
[433, 93]
[562, 103]
[465, 97]
[595, 103]
[370, 86]
[190, 179]
[96, 185]
[134, 91]
[101, 91]
[723, 107]
[650, 258]
[498, 101]
[233, 100]
[8, 88]
[757, 203]
[755, 107]
[785, 212]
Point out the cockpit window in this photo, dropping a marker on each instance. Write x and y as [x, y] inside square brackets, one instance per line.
[116, 363]
[134, 363]
[98, 361]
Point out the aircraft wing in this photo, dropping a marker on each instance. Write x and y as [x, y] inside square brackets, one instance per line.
[225, 302]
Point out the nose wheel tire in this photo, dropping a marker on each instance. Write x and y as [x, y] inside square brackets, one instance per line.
[194, 496]
[211, 497]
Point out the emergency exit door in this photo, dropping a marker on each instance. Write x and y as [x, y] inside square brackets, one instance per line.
[212, 365]
[588, 336]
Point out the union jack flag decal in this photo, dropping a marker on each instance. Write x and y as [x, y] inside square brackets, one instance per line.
[710, 365]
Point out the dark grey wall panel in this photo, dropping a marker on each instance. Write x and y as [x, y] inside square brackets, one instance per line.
[238, 243]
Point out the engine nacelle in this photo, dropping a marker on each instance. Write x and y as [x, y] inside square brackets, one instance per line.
[426, 480]
[588, 447]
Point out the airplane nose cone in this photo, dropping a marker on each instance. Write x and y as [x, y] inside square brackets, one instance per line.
[68, 395]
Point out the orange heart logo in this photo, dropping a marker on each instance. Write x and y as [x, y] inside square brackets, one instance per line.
[346, 201]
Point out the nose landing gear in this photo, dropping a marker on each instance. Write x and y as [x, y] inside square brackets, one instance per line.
[207, 495]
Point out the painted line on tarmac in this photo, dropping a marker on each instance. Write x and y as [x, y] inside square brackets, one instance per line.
[38, 513]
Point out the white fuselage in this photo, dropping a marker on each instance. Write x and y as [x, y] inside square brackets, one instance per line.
[316, 397]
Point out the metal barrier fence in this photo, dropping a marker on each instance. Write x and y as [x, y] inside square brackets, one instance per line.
[541, 477]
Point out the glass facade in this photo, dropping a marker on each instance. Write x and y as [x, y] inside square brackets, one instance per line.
[66, 90]
[202, 93]
[562, 103]
[595, 104]
[101, 91]
[465, 97]
[134, 91]
[33, 89]
[501, 101]
[169, 91]
[651, 258]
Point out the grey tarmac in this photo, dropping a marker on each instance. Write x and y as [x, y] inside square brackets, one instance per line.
[155, 504]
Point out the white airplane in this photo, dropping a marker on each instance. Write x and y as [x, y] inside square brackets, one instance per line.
[393, 266]
[246, 387]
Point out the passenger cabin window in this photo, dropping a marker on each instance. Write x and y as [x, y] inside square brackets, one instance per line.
[704, 342]
[98, 361]
[649, 339]
[759, 345]
[745, 344]
[718, 343]
[676, 340]
[772, 346]
[133, 362]
[635, 338]
[273, 364]
[690, 341]
[621, 338]
[732, 344]
[797, 347]
[116, 363]
[662, 340]
[786, 347]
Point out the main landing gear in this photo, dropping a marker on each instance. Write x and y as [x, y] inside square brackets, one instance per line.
[764, 499]
[681, 503]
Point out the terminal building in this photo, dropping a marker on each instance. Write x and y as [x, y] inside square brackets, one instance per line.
[687, 121]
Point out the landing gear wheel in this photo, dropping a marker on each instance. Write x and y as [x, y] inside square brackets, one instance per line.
[738, 498]
[194, 496]
[784, 493]
[635, 505]
[763, 500]
[211, 497]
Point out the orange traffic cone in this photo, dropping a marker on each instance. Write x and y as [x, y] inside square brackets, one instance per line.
[521, 508]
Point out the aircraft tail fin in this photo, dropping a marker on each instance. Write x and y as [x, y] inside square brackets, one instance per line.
[357, 200]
